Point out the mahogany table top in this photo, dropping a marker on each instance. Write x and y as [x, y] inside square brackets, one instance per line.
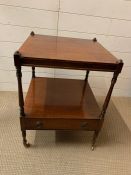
[67, 49]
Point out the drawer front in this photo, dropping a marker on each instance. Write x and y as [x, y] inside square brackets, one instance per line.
[58, 124]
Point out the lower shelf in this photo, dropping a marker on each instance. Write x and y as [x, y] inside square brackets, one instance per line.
[60, 104]
[60, 98]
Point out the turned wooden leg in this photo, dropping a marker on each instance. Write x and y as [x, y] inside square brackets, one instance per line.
[113, 81]
[87, 74]
[33, 72]
[94, 139]
[20, 91]
[25, 143]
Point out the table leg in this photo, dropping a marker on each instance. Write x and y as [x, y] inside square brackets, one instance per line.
[107, 100]
[25, 143]
[102, 115]
[94, 138]
[87, 75]
[113, 81]
[20, 91]
[33, 72]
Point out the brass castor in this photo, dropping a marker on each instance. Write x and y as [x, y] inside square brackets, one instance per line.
[94, 139]
[92, 148]
[25, 143]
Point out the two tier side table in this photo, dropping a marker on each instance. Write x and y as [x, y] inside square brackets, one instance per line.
[62, 104]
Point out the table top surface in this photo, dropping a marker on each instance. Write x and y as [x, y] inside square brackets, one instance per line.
[66, 49]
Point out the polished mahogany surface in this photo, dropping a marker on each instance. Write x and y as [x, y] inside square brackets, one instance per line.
[53, 103]
[60, 98]
[66, 49]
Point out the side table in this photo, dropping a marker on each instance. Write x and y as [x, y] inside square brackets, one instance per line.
[62, 104]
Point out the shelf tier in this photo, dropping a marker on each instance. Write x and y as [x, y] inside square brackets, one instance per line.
[53, 98]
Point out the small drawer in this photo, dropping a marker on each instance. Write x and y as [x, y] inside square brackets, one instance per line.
[58, 124]
[32, 124]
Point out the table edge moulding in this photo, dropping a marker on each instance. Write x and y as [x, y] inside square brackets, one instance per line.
[63, 104]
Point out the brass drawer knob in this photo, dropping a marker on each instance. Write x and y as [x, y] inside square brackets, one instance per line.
[84, 125]
[39, 125]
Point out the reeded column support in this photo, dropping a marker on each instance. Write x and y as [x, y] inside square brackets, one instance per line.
[84, 86]
[17, 57]
[20, 91]
[113, 81]
[106, 103]
[104, 108]
[107, 100]
[33, 67]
